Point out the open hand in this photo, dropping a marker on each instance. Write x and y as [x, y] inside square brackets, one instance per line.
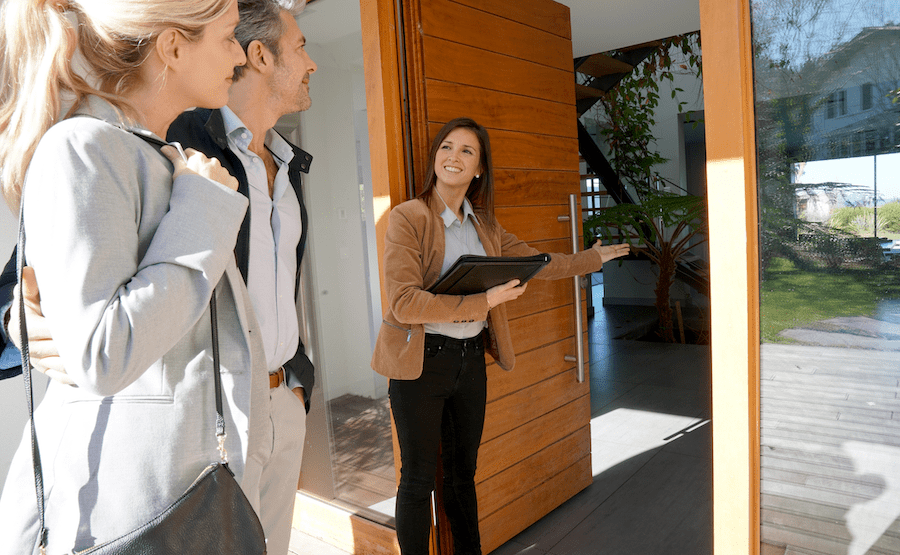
[44, 356]
[610, 252]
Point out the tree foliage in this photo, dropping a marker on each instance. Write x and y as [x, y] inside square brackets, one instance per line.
[860, 220]
[664, 227]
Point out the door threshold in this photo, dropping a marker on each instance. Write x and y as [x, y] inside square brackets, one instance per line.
[346, 529]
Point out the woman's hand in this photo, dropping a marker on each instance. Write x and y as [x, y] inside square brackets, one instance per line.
[198, 163]
[610, 252]
[506, 292]
[41, 348]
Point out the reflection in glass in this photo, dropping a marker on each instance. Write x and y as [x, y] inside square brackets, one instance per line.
[827, 78]
[348, 459]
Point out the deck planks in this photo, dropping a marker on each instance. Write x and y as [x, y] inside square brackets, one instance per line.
[830, 453]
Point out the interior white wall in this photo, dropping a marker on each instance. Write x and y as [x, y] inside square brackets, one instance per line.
[633, 281]
[668, 121]
[338, 229]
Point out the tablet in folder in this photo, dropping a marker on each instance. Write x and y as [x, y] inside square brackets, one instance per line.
[472, 274]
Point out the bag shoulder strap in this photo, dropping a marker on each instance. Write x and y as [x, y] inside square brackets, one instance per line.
[29, 395]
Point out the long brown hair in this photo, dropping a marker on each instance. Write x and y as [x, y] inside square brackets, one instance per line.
[481, 190]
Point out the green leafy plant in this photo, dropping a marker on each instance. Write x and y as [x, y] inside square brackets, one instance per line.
[662, 225]
[628, 110]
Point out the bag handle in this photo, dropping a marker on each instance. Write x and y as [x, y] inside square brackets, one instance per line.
[217, 378]
[26, 369]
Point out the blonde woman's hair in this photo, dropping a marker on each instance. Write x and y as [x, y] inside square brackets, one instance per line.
[38, 41]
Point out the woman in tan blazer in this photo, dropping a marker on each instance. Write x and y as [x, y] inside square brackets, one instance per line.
[432, 346]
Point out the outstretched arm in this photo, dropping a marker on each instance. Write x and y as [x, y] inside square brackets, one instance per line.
[564, 265]
[611, 252]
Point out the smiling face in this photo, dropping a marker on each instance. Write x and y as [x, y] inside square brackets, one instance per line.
[290, 81]
[458, 159]
[211, 62]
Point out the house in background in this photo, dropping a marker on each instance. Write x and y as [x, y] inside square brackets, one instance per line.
[853, 85]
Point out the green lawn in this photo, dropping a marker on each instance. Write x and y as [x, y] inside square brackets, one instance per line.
[791, 297]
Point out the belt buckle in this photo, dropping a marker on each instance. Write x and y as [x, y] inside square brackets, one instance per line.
[276, 378]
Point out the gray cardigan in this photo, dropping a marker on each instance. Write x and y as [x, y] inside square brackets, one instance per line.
[126, 260]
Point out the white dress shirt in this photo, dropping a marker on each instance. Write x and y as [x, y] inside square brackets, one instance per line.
[275, 229]
[459, 238]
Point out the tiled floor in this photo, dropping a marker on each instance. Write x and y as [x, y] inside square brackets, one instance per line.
[651, 452]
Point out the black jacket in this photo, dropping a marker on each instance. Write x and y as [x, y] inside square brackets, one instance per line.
[204, 130]
[10, 365]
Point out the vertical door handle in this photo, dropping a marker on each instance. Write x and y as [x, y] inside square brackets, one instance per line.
[578, 359]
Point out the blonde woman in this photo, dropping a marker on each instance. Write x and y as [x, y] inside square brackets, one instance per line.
[127, 246]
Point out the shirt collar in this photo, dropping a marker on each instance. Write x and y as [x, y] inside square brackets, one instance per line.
[449, 217]
[238, 132]
[235, 128]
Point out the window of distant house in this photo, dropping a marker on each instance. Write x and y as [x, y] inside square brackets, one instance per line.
[866, 92]
[836, 105]
[871, 141]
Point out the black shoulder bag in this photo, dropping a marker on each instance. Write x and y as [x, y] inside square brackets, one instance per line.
[212, 516]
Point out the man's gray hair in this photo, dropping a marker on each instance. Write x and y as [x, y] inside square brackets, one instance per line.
[261, 20]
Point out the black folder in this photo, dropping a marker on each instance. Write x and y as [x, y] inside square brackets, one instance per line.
[472, 274]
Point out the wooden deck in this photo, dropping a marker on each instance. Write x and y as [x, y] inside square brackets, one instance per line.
[830, 450]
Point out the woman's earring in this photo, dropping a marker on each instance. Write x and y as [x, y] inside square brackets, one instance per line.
[477, 175]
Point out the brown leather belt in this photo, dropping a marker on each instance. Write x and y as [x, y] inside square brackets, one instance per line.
[276, 378]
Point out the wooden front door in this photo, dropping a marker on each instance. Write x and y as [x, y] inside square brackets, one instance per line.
[508, 65]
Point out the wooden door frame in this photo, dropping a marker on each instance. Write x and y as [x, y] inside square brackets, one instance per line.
[734, 272]
[734, 248]
[385, 113]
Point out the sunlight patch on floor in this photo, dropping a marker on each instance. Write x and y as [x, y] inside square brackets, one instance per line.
[622, 434]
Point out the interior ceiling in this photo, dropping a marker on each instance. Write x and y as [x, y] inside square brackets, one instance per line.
[597, 25]
[603, 25]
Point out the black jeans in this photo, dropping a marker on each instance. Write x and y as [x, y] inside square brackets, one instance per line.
[443, 407]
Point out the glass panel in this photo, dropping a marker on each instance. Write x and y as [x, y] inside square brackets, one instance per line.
[349, 455]
[827, 74]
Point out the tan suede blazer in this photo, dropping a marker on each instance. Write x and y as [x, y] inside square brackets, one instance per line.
[413, 256]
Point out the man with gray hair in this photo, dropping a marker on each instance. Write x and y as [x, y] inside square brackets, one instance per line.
[270, 245]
